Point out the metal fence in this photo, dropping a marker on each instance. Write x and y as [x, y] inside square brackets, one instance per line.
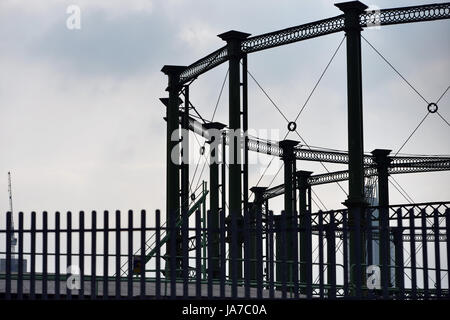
[399, 252]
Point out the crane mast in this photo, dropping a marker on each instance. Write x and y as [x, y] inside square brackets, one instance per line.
[13, 238]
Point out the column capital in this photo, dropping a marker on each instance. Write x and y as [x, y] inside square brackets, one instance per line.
[259, 192]
[351, 6]
[303, 174]
[381, 157]
[171, 70]
[352, 10]
[288, 147]
[173, 73]
[233, 35]
[302, 177]
[165, 101]
[234, 39]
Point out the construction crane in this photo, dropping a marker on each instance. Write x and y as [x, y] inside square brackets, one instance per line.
[13, 237]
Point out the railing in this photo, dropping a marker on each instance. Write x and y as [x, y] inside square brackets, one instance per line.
[399, 252]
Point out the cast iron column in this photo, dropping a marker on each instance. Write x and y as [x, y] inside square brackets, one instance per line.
[185, 155]
[304, 199]
[355, 201]
[382, 160]
[172, 165]
[245, 128]
[289, 199]
[214, 131]
[234, 39]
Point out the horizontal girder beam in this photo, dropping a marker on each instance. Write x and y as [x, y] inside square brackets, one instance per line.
[368, 172]
[319, 28]
[272, 148]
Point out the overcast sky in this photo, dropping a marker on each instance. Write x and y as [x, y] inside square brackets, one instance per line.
[81, 124]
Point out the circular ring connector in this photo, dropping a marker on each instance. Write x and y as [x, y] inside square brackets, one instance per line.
[292, 126]
[432, 107]
[202, 150]
[193, 196]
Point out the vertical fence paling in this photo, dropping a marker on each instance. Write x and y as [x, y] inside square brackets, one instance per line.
[68, 249]
[142, 257]
[368, 227]
[117, 252]
[185, 248]
[266, 235]
[345, 250]
[384, 245]
[81, 254]
[20, 271]
[423, 215]
[399, 274]
[259, 255]
[158, 253]
[284, 269]
[234, 248]
[447, 232]
[93, 255]
[173, 254]
[412, 253]
[33, 256]
[44, 255]
[247, 264]
[8, 255]
[320, 244]
[105, 254]
[57, 255]
[130, 255]
[331, 260]
[222, 253]
[309, 261]
[198, 252]
[437, 253]
[358, 251]
[209, 250]
[271, 267]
